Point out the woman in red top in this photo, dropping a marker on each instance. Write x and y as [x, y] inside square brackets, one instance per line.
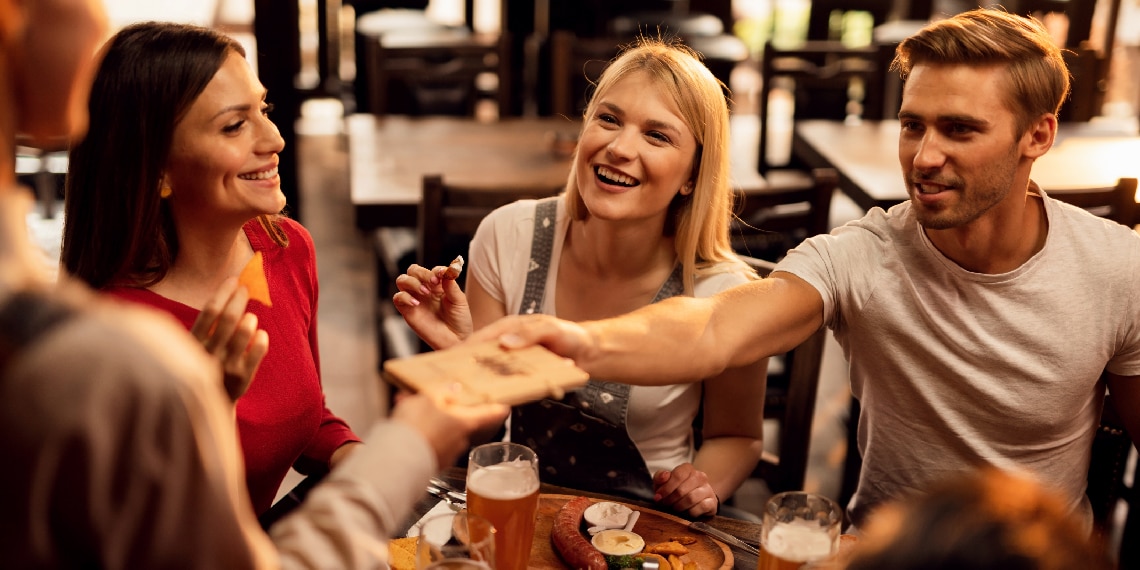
[169, 197]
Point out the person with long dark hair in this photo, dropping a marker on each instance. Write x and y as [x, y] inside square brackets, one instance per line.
[118, 431]
[173, 192]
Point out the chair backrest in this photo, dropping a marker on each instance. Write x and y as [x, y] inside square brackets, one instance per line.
[578, 62]
[771, 220]
[423, 68]
[820, 20]
[1117, 203]
[576, 65]
[1111, 480]
[828, 81]
[450, 214]
[790, 400]
[1090, 57]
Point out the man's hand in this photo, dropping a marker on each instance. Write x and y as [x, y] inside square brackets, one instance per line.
[564, 338]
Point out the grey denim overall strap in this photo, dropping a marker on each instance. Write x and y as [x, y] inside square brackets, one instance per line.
[581, 440]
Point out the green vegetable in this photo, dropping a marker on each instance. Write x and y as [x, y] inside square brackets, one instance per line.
[624, 561]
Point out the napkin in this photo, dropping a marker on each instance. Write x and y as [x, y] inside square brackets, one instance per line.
[440, 508]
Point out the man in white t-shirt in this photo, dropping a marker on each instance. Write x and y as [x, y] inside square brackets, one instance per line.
[977, 317]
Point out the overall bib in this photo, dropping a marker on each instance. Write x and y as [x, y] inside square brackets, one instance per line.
[581, 440]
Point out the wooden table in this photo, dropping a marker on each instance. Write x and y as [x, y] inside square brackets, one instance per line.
[745, 530]
[388, 157]
[1085, 155]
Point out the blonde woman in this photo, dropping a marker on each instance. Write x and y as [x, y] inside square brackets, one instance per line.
[645, 217]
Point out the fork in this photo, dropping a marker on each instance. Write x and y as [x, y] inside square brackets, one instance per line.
[456, 499]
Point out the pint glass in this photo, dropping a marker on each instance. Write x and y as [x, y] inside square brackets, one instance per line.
[798, 528]
[456, 541]
[502, 487]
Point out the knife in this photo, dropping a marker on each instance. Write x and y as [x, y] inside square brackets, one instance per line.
[725, 537]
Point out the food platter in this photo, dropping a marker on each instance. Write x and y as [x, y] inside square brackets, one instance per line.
[654, 526]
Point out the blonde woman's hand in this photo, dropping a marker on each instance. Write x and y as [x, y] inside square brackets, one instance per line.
[432, 303]
[685, 489]
[230, 334]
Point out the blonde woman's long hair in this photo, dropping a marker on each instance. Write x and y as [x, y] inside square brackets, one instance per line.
[700, 221]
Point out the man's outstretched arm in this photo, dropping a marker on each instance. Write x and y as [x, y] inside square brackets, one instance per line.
[681, 339]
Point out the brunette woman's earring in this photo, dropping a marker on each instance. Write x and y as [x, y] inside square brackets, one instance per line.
[165, 191]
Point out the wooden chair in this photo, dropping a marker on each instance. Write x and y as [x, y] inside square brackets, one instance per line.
[447, 219]
[578, 62]
[772, 220]
[450, 214]
[793, 381]
[821, 13]
[1111, 482]
[828, 81]
[1089, 57]
[412, 66]
[576, 65]
[1117, 203]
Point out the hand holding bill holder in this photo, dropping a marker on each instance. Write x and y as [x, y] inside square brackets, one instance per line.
[485, 372]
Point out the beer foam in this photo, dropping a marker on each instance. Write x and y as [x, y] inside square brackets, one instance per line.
[504, 481]
[799, 541]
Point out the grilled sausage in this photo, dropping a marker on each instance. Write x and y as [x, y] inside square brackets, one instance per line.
[574, 549]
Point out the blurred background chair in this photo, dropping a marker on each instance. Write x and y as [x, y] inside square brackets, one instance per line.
[827, 80]
[1116, 203]
[448, 216]
[411, 65]
[775, 219]
[1112, 487]
[793, 382]
[576, 64]
[1074, 27]
[594, 30]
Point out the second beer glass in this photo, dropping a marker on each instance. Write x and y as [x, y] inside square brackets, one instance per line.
[798, 528]
[502, 487]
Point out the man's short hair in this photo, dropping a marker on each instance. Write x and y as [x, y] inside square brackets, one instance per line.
[1039, 78]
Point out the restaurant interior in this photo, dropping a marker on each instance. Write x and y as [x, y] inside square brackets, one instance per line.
[362, 87]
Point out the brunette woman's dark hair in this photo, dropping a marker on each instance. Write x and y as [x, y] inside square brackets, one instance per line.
[117, 228]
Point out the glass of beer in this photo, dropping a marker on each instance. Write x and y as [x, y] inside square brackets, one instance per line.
[456, 541]
[502, 487]
[798, 528]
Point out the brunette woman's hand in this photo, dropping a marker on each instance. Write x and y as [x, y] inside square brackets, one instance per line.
[432, 303]
[230, 334]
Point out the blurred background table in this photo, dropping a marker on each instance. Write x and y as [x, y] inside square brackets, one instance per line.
[865, 155]
[389, 156]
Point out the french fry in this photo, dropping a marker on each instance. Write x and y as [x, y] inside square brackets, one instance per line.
[675, 562]
[672, 547]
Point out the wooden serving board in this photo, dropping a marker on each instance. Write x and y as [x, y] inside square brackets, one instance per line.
[654, 526]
